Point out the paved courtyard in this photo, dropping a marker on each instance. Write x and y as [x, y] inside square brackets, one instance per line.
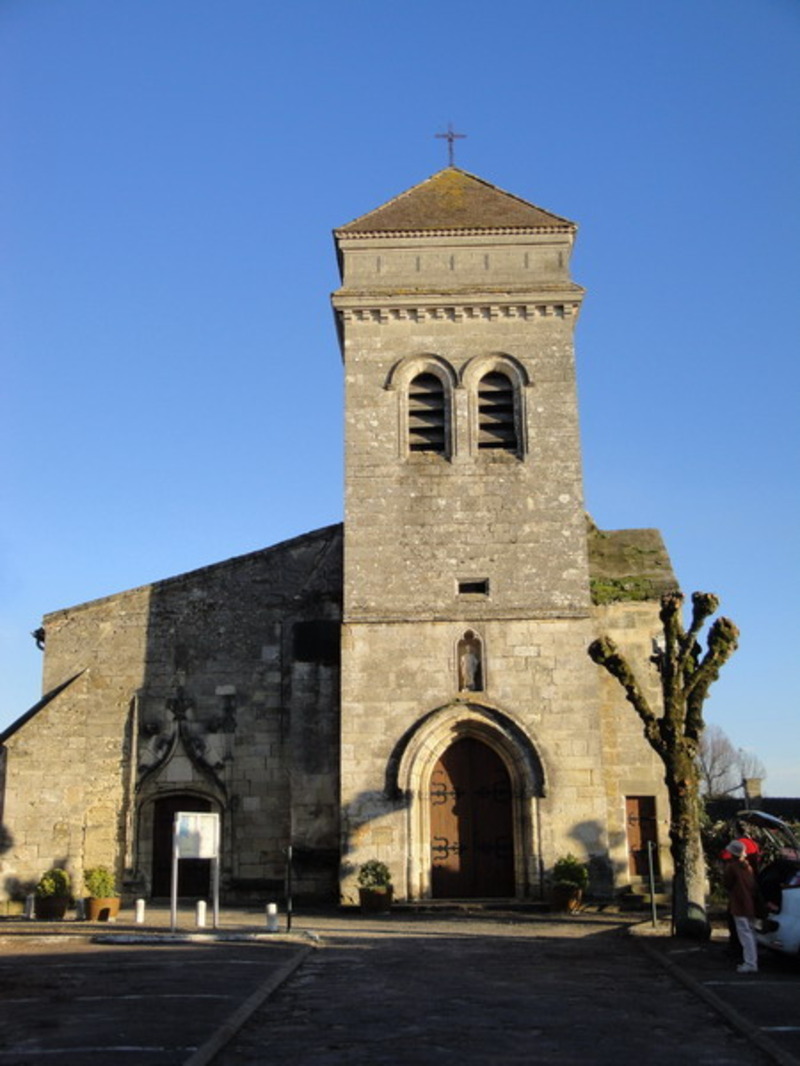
[474, 992]
[341, 989]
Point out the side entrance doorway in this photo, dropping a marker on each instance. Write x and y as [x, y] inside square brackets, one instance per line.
[194, 875]
[471, 827]
[642, 828]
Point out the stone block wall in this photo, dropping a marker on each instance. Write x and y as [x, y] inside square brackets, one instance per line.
[415, 525]
[538, 679]
[68, 782]
[630, 765]
[205, 686]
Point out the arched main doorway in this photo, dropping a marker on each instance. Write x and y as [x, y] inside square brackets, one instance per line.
[194, 875]
[471, 823]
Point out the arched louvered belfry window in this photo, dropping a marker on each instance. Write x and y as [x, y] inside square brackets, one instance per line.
[427, 415]
[497, 414]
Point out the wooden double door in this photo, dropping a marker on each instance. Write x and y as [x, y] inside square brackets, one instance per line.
[471, 824]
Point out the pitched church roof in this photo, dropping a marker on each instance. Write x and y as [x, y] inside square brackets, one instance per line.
[450, 200]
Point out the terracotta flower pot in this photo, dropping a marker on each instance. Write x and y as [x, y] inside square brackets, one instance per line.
[102, 909]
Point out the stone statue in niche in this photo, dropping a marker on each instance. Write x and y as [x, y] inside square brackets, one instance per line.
[470, 663]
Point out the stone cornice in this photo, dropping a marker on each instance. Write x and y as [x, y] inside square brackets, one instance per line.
[489, 310]
[477, 231]
[356, 616]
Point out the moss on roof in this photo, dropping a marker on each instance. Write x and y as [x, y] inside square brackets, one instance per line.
[628, 564]
[454, 199]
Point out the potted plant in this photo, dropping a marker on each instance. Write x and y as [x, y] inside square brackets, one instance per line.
[52, 895]
[375, 887]
[103, 900]
[570, 879]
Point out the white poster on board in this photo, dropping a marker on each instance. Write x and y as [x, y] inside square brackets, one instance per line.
[195, 835]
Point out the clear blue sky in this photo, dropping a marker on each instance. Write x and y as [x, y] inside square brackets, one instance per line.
[171, 171]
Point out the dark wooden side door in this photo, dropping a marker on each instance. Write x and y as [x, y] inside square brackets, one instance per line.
[472, 843]
[640, 816]
[194, 875]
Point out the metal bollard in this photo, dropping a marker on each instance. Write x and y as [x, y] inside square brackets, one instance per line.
[139, 912]
[272, 917]
[30, 906]
[201, 914]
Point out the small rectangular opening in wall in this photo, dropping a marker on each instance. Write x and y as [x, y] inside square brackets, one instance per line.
[474, 587]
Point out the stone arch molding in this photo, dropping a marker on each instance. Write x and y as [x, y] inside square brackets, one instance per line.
[471, 372]
[426, 742]
[511, 368]
[475, 368]
[412, 764]
[156, 789]
[405, 369]
[399, 381]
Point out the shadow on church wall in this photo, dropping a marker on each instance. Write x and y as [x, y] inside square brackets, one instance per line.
[239, 708]
[594, 840]
[13, 887]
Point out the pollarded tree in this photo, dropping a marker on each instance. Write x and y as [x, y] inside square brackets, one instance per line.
[686, 675]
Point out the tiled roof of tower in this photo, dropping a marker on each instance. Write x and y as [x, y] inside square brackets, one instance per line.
[452, 199]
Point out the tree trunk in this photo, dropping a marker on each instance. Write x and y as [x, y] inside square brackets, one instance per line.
[675, 735]
[689, 878]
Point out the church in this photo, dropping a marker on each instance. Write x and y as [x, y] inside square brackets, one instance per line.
[412, 685]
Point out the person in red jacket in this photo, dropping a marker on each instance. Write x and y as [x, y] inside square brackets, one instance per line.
[740, 884]
[752, 849]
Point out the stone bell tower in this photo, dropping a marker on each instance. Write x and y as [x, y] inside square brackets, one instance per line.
[463, 474]
[464, 507]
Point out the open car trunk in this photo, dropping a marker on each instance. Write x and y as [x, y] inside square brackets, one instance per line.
[778, 879]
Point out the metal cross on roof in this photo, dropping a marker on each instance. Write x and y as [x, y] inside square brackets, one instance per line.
[450, 136]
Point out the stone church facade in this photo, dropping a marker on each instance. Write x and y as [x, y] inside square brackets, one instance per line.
[413, 685]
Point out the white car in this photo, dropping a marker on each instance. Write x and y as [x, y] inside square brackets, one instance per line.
[779, 880]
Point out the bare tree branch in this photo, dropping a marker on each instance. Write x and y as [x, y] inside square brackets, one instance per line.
[704, 604]
[605, 652]
[749, 765]
[719, 763]
[723, 640]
